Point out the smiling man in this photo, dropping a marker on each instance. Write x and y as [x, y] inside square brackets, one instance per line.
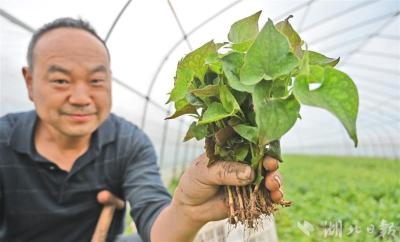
[57, 160]
[69, 81]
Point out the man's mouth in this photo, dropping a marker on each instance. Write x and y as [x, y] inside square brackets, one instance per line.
[80, 117]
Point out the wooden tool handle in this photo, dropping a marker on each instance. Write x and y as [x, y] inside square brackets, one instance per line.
[103, 224]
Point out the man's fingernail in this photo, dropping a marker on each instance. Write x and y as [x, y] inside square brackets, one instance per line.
[245, 174]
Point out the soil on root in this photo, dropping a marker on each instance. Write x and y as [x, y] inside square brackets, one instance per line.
[248, 204]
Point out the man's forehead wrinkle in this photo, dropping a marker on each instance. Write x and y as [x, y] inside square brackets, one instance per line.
[56, 68]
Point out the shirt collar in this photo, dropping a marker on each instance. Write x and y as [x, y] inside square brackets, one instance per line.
[22, 135]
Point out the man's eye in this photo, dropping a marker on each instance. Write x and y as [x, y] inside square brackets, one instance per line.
[61, 81]
[96, 81]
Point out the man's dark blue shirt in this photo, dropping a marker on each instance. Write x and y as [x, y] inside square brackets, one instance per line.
[41, 202]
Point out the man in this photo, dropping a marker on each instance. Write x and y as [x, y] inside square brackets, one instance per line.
[62, 161]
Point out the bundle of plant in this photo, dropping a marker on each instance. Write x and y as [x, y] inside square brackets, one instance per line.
[245, 94]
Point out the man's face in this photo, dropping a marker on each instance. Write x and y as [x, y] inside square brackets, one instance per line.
[70, 83]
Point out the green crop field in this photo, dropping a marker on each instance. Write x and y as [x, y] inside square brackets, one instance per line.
[340, 199]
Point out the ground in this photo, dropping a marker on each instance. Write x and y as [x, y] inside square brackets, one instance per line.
[338, 199]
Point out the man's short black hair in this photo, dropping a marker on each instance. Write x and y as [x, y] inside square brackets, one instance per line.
[60, 23]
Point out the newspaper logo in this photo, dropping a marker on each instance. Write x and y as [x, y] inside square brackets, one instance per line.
[305, 227]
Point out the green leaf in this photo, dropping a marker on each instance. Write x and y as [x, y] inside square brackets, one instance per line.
[251, 117]
[280, 87]
[194, 101]
[228, 100]
[214, 63]
[233, 121]
[294, 39]
[196, 131]
[274, 117]
[195, 60]
[207, 91]
[214, 113]
[244, 29]
[188, 109]
[180, 104]
[337, 94]
[240, 152]
[316, 58]
[268, 58]
[304, 66]
[231, 65]
[217, 80]
[250, 133]
[316, 74]
[212, 58]
[183, 80]
[242, 47]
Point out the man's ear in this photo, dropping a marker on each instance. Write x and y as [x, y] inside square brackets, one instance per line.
[26, 72]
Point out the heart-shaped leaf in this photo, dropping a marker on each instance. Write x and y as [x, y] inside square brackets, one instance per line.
[268, 58]
[337, 94]
[294, 39]
[245, 29]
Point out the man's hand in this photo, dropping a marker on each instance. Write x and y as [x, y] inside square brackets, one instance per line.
[199, 197]
[110, 202]
[106, 198]
[200, 193]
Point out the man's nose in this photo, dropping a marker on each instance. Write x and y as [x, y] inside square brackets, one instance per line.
[80, 95]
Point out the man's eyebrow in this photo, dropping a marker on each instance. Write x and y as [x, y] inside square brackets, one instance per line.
[99, 68]
[55, 68]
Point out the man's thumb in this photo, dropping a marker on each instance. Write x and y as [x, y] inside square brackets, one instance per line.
[107, 198]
